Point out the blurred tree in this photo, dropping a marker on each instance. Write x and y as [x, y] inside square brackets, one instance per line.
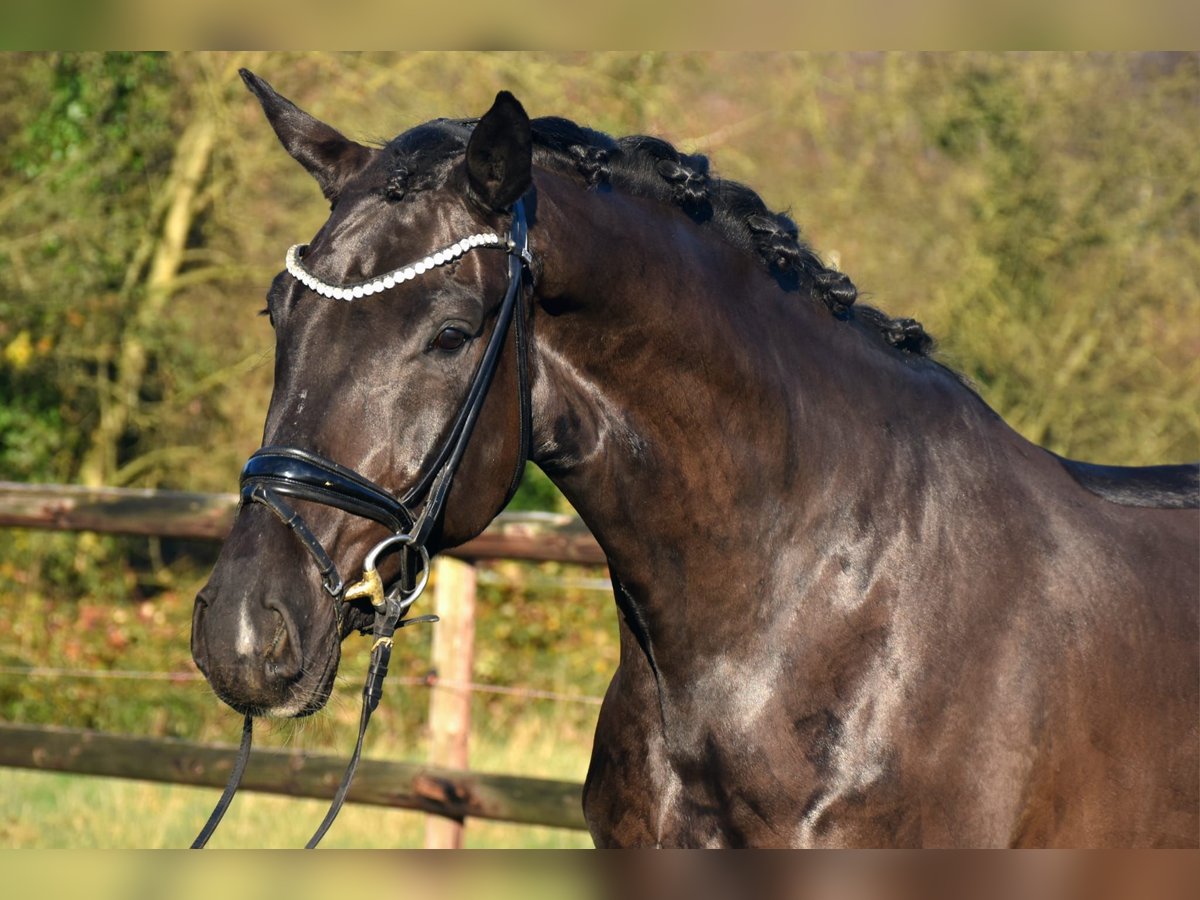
[88, 148]
[1080, 234]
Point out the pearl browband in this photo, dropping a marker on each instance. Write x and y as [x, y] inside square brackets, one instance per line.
[391, 279]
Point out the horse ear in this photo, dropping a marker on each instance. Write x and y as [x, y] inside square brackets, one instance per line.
[500, 154]
[328, 156]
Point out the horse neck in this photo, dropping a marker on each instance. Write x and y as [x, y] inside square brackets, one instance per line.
[699, 418]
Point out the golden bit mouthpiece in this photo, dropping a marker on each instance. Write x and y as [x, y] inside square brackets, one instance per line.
[370, 587]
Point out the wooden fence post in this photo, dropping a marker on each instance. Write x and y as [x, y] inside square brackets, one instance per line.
[450, 705]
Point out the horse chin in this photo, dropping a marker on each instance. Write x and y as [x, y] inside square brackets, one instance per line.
[305, 701]
[302, 707]
[306, 697]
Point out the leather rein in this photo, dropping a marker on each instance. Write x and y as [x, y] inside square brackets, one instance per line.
[275, 472]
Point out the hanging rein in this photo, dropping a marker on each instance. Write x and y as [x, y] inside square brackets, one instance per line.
[273, 473]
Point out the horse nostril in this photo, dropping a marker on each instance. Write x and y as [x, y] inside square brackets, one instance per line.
[283, 656]
[199, 646]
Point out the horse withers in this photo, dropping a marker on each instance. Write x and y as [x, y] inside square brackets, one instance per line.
[855, 607]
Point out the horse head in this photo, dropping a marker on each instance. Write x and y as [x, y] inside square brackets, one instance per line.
[393, 347]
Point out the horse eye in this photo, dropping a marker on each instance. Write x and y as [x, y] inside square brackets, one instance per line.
[450, 339]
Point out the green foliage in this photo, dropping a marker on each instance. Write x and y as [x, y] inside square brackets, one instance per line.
[30, 437]
[537, 492]
[90, 141]
[1082, 224]
[94, 99]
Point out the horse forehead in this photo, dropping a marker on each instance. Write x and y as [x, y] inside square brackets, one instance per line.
[367, 230]
[405, 195]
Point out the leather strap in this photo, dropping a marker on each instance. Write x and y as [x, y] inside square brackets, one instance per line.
[310, 476]
[331, 579]
[456, 445]
[231, 786]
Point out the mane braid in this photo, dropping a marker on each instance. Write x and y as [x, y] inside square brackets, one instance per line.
[651, 167]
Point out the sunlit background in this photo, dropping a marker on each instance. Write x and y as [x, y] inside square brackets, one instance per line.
[1038, 212]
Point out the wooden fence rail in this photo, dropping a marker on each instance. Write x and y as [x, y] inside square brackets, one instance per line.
[451, 793]
[542, 537]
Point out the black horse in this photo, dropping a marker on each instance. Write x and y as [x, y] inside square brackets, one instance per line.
[856, 608]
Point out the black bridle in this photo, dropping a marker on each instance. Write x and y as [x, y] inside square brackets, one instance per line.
[273, 473]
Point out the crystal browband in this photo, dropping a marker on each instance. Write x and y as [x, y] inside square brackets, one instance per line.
[388, 280]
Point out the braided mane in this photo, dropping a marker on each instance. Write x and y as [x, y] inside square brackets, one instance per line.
[651, 167]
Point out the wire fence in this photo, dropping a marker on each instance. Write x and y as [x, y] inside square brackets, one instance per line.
[485, 577]
[431, 680]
